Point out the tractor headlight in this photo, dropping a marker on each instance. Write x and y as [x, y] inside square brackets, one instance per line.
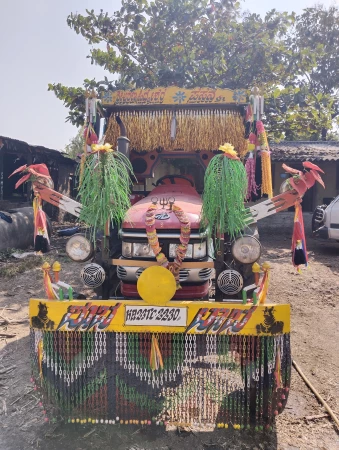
[173, 247]
[79, 248]
[136, 250]
[199, 250]
[142, 251]
[127, 249]
[246, 249]
[194, 251]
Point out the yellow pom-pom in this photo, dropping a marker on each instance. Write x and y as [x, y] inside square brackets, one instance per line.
[266, 266]
[228, 149]
[255, 268]
[102, 148]
[56, 266]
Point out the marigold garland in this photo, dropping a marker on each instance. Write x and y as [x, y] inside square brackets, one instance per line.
[180, 253]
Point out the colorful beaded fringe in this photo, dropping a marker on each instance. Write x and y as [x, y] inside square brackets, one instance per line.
[225, 380]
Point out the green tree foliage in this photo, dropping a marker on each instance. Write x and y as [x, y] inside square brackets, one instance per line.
[193, 43]
[307, 106]
[76, 145]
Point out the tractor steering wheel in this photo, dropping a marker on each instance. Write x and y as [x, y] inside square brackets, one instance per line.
[172, 179]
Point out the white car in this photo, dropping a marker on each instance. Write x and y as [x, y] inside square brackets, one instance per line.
[325, 221]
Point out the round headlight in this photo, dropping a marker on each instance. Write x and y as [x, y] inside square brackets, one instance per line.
[246, 249]
[79, 248]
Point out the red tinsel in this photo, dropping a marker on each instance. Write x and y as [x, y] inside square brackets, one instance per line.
[252, 186]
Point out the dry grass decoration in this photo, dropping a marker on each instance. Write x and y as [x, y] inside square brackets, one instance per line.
[225, 190]
[196, 129]
[105, 187]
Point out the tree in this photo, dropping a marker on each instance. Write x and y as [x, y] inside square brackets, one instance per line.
[192, 43]
[296, 113]
[317, 42]
[76, 145]
[188, 43]
[308, 107]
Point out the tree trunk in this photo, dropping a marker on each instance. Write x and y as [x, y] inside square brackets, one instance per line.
[324, 134]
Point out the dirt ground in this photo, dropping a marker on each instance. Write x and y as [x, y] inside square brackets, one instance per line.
[315, 338]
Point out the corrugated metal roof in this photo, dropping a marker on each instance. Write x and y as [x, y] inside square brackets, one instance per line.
[13, 145]
[305, 151]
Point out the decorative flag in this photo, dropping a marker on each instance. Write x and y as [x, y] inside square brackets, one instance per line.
[299, 251]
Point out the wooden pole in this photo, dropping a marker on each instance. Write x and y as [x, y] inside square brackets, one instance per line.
[316, 393]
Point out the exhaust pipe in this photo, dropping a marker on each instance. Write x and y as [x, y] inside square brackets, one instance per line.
[123, 141]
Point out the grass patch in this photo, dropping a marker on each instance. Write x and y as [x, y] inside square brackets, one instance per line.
[11, 269]
[5, 255]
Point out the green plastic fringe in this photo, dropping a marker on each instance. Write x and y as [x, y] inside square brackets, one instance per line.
[105, 189]
[225, 189]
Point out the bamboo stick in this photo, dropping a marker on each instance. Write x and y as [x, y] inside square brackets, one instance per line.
[316, 393]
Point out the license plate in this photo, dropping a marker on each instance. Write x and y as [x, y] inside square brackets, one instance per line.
[156, 315]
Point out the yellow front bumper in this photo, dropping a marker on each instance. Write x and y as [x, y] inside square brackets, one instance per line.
[192, 317]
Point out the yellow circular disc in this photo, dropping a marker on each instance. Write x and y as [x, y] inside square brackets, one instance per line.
[156, 285]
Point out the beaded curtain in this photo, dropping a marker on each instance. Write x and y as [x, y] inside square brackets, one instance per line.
[195, 130]
[105, 377]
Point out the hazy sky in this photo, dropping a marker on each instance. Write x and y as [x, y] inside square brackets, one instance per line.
[37, 48]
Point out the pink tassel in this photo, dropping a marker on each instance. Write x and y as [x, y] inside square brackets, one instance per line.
[252, 186]
[260, 127]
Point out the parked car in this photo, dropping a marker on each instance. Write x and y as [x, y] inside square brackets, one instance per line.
[325, 221]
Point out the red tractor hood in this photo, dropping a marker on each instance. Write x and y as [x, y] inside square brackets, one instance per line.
[185, 196]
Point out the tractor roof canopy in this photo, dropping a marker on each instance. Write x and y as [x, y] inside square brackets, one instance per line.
[173, 97]
[176, 119]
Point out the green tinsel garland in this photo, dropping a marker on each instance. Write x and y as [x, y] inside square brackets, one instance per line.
[105, 189]
[225, 189]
